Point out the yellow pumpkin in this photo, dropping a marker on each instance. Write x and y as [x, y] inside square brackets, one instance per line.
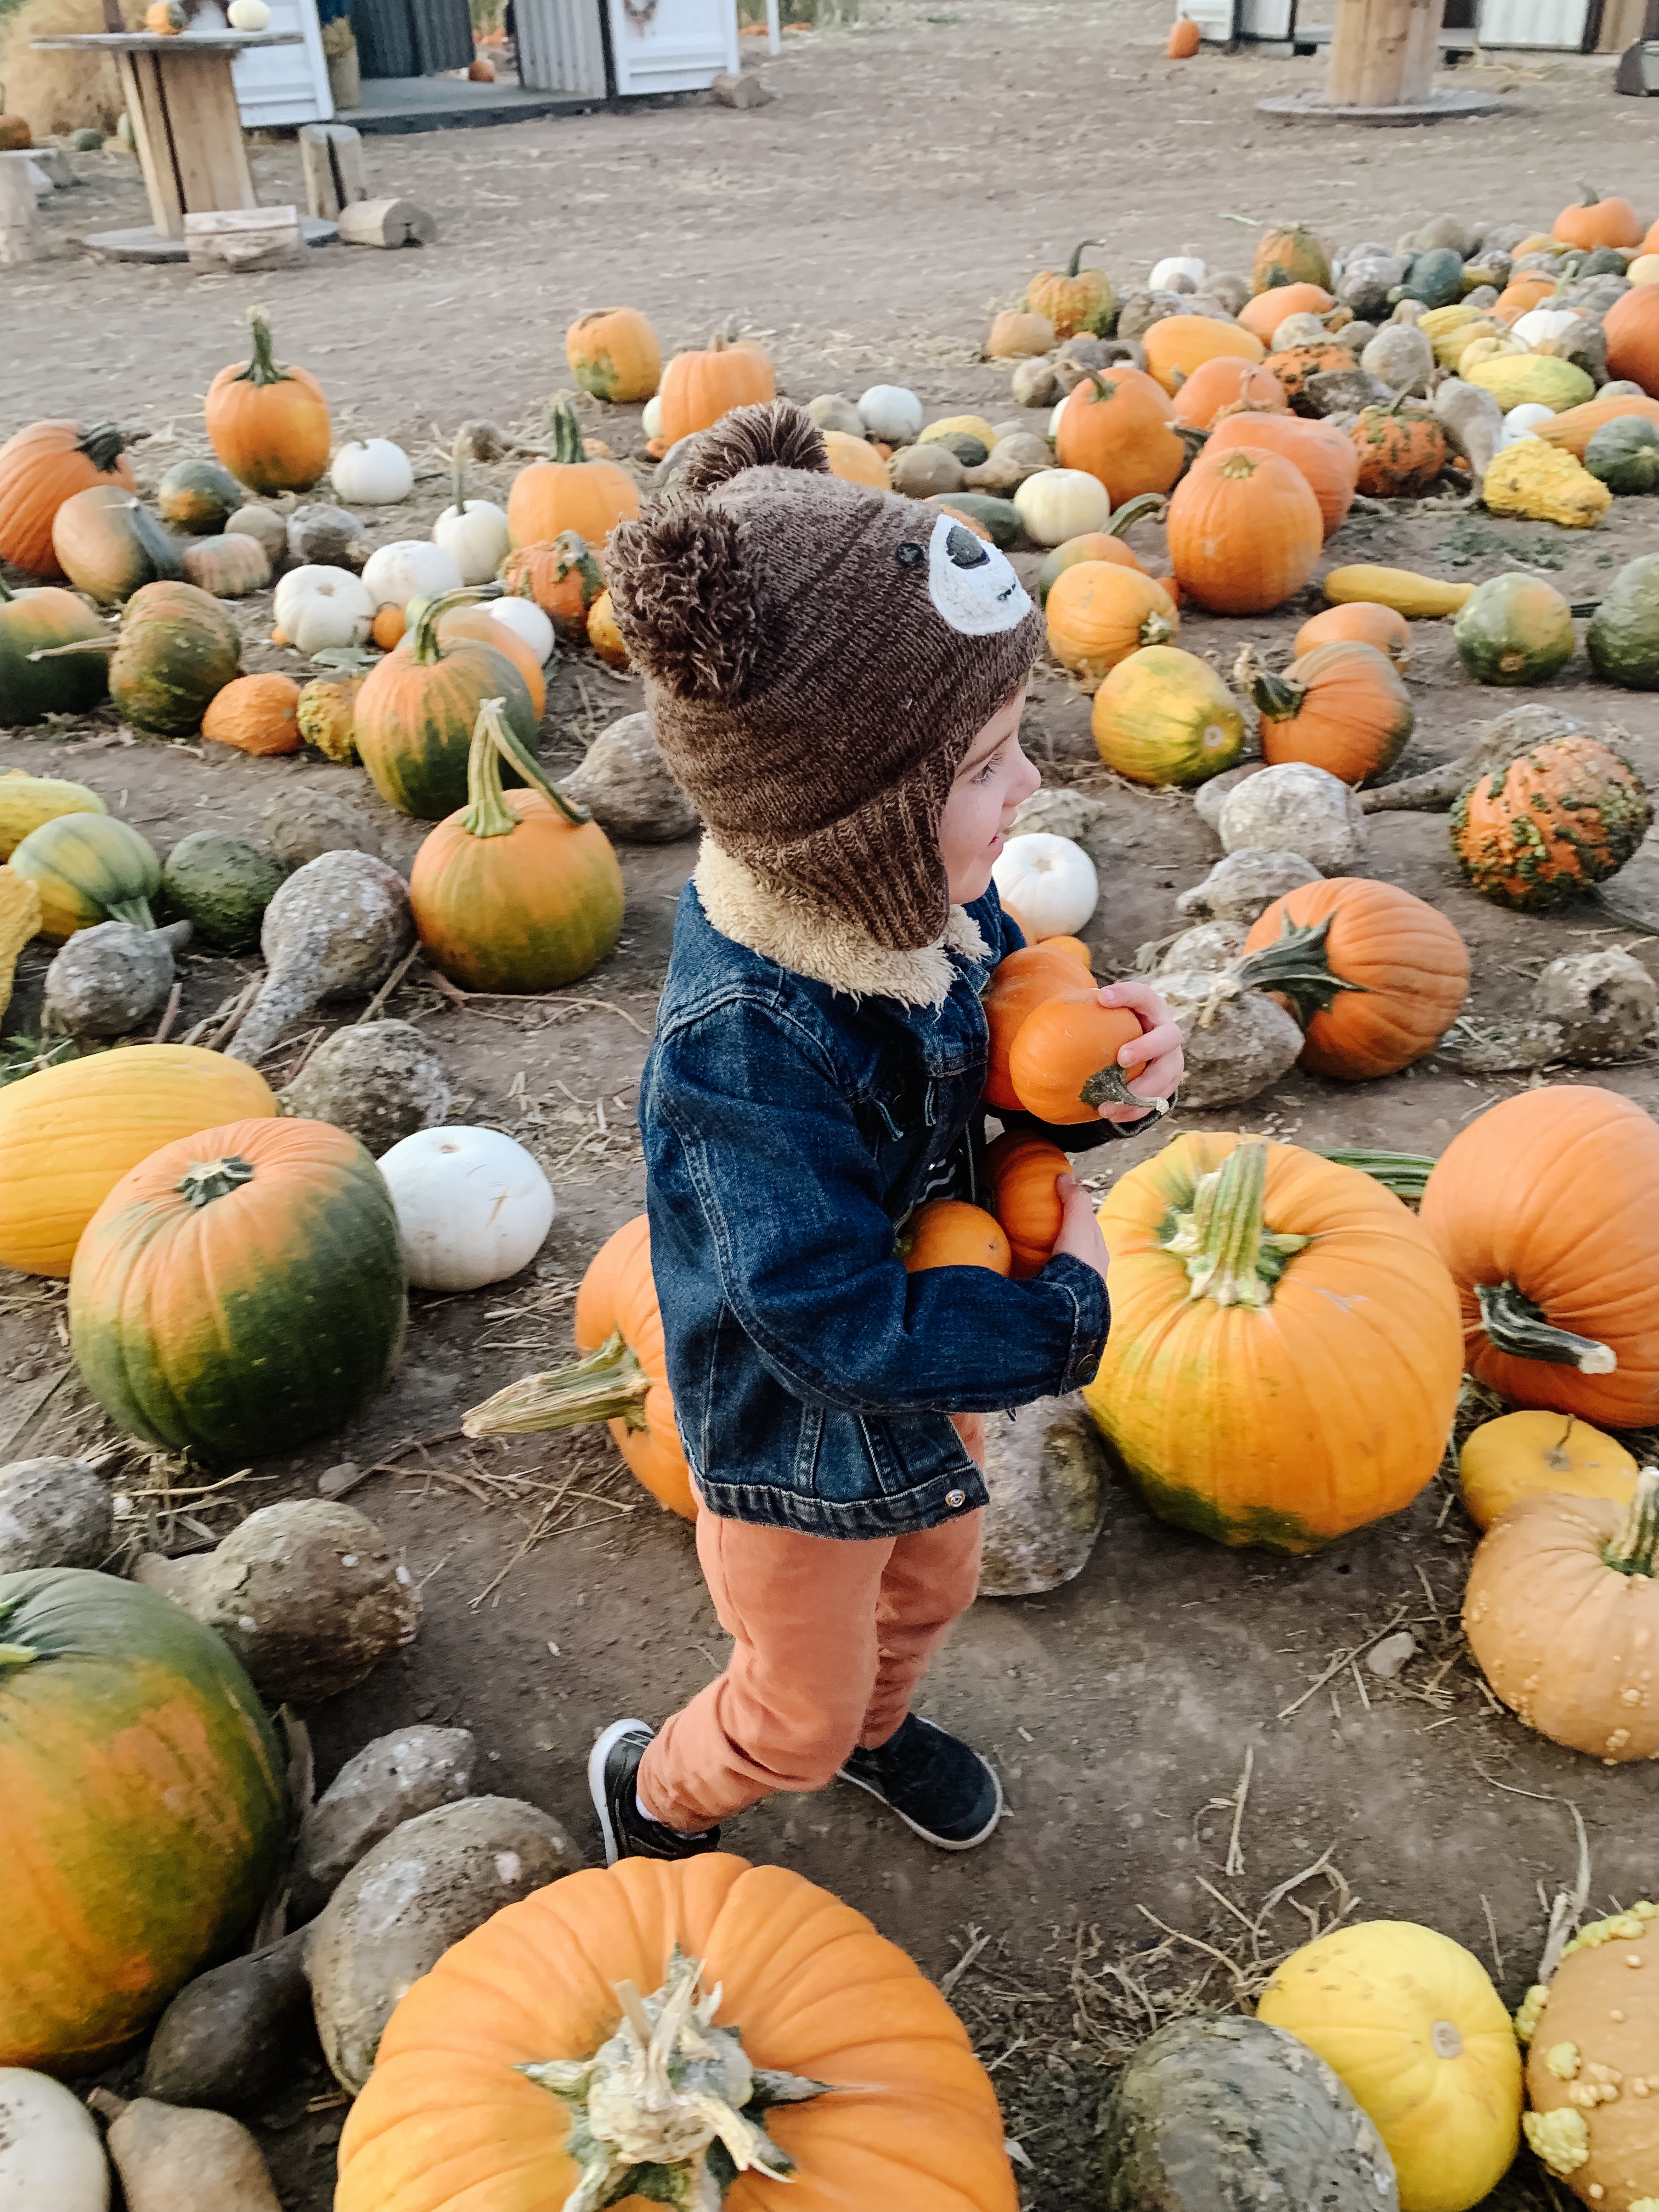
[855, 459]
[1539, 1456]
[959, 426]
[1411, 2023]
[27, 801]
[1165, 716]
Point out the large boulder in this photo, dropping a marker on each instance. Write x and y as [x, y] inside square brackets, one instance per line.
[1045, 1468]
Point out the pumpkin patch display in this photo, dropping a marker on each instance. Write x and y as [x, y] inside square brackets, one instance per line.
[176, 650]
[415, 716]
[267, 424]
[241, 1291]
[698, 389]
[568, 491]
[614, 355]
[41, 620]
[1341, 707]
[1165, 716]
[1099, 612]
[621, 1379]
[1546, 1209]
[1540, 830]
[1593, 2029]
[947, 1232]
[1078, 302]
[1245, 531]
[1535, 1454]
[145, 1812]
[41, 466]
[89, 868]
[1284, 1356]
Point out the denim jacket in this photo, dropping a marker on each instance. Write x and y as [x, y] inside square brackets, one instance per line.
[805, 1088]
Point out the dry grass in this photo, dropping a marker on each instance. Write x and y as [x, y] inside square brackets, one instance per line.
[58, 92]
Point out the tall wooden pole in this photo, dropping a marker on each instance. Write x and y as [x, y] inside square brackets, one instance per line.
[1382, 52]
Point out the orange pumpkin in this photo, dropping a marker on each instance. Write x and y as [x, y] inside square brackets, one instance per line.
[1245, 531]
[1225, 382]
[855, 459]
[1631, 326]
[1521, 295]
[1020, 1174]
[1183, 41]
[1590, 221]
[40, 467]
[1401, 447]
[948, 1233]
[1019, 984]
[1538, 831]
[1115, 427]
[1374, 976]
[1284, 257]
[1341, 707]
[567, 491]
[1546, 1209]
[450, 2120]
[562, 578]
[602, 633]
[1098, 613]
[614, 355]
[477, 622]
[1573, 429]
[1075, 300]
[1360, 622]
[621, 1379]
[269, 425]
[1063, 1063]
[255, 714]
[1092, 545]
[699, 388]
[1318, 449]
[1179, 345]
[388, 626]
[1262, 315]
[1297, 363]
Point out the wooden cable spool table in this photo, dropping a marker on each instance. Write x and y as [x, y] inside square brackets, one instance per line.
[1381, 69]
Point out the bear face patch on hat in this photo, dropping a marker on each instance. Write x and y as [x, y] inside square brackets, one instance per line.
[818, 656]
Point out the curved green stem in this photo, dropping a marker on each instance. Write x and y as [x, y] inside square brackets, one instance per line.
[103, 445]
[1515, 1325]
[135, 910]
[1073, 267]
[263, 368]
[458, 477]
[14, 1655]
[564, 431]
[1276, 696]
[1231, 1256]
[1406, 1174]
[1297, 964]
[427, 613]
[488, 814]
[203, 1181]
[1635, 1549]
[609, 1385]
[1152, 503]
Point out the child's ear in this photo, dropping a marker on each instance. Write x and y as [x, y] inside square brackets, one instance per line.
[681, 600]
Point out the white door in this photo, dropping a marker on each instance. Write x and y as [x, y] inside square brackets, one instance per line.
[672, 46]
[1557, 24]
[285, 84]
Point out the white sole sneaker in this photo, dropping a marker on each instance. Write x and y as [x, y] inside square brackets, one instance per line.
[597, 1760]
[939, 1843]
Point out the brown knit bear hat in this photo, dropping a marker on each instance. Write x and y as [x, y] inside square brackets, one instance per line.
[817, 658]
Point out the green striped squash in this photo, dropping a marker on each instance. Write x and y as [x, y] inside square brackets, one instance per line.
[89, 868]
[177, 651]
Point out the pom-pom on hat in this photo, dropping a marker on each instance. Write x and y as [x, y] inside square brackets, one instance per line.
[818, 656]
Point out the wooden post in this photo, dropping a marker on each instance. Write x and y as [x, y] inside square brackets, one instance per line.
[386, 222]
[22, 237]
[1382, 52]
[331, 155]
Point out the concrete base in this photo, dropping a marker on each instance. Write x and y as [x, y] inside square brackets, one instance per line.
[1440, 107]
[148, 245]
[403, 104]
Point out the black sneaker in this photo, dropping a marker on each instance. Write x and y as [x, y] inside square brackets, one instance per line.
[936, 1785]
[612, 1765]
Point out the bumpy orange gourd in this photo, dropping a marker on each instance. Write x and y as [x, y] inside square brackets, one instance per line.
[1543, 828]
[1179, 345]
[1075, 299]
[1262, 315]
[1362, 622]
[1599, 2008]
[1020, 1174]
[1374, 976]
[948, 1233]
[1341, 707]
[613, 353]
[1099, 612]
[1296, 364]
[1244, 531]
[269, 425]
[1019, 984]
[604, 635]
[698, 388]
[1116, 426]
[621, 1379]
[1401, 447]
[562, 578]
[1546, 1209]
[255, 714]
[40, 467]
[567, 491]
[1317, 449]
[449, 2123]
[1591, 221]
[1063, 1063]
[1632, 327]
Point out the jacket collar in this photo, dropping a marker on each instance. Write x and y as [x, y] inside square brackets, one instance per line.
[827, 947]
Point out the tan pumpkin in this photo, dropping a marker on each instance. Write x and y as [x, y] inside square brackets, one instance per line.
[1017, 336]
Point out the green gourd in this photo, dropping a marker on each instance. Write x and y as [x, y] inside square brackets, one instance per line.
[1625, 454]
[199, 496]
[1623, 638]
[1514, 629]
[223, 885]
[1435, 277]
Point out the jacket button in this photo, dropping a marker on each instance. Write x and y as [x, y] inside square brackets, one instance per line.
[955, 1498]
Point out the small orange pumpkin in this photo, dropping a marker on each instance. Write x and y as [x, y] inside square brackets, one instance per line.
[1401, 447]
[1183, 41]
[255, 714]
[1227, 382]
[1262, 315]
[1179, 345]
[562, 578]
[602, 633]
[1521, 295]
[1063, 1063]
[1360, 622]
[948, 1233]
[1318, 449]
[1019, 984]
[1341, 707]
[1099, 612]
[1021, 1173]
[1115, 427]
[269, 425]
[1245, 531]
[388, 626]
[855, 459]
[614, 355]
[698, 389]
[567, 491]
[40, 467]
[1590, 221]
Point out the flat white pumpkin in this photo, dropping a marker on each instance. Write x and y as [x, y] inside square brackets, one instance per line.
[51, 2153]
[1165, 272]
[410, 568]
[891, 412]
[1048, 881]
[476, 535]
[651, 416]
[317, 607]
[526, 620]
[374, 472]
[473, 1206]
[1057, 504]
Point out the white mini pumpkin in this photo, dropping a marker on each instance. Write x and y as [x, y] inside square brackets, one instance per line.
[1056, 504]
[319, 607]
[1048, 881]
[252, 15]
[473, 1206]
[1541, 323]
[890, 412]
[525, 619]
[374, 473]
[50, 2153]
[474, 533]
[1053, 431]
[410, 568]
[1523, 422]
[651, 416]
[1184, 264]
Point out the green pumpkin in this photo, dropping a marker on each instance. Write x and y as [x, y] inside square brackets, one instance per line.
[1623, 638]
[145, 1811]
[86, 141]
[89, 868]
[222, 885]
[1605, 261]
[1513, 630]
[1000, 517]
[1435, 277]
[177, 651]
[39, 621]
[1625, 454]
[199, 496]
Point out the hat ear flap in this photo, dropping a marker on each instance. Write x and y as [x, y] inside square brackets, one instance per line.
[681, 600]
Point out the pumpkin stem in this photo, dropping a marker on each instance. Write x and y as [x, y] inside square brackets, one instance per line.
[1635, 1549]
[427, 613]
[80, 644]
[608, 1385]
[203, 1181]
[263, 368]
[1232, 1257]
[103, 445]
[1152, 503]
[14, 1655]
[1076, 262]
[1296, 965]
[1237, 465]
[457, 477]
[1406, 1174]
[1515, 1325]
[488, 814]
[564, 431]
[1276, 696]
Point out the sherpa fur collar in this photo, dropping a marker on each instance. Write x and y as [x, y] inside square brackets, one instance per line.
[829, 948]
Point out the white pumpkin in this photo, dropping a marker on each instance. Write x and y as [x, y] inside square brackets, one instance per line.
[526, 620]
[890, 412]
[252, 15]
[319, 607]
[475, 535]
[1053, 431]
[1523, 422]
[52, 2156]
[1048, 881]
[1056, 504]
[1184, 264]
[473, 1206]
[1541, 323]
[651, 416]
[374, 473]
[410, 568]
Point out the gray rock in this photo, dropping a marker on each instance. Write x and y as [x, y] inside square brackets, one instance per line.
[1346, 390]
[1295, 807]
[1386, 1658]
[1604, 1004]
[739, 88]
[319, 533]
[309, 815]
[174, 2159]
[233, 2034]
[1233, 291]
[381, 1080]
[1045, 1471]
[1212, 796]
[1242, 887]
[1366, 280]
[174, 1578]
[1235, 1043]
[1211, 944]
[625, 784]
[108, 979]
[1231, 2114]
[1633, 894]
[53, 1513]
[431, 1881]
[1056, 811]
[1139, 310]
[393, 1779]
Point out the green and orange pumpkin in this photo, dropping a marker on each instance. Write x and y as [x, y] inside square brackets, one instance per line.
[109, 543]
[89, 868]
[177, 651]
[67, 684]
[1544, 827]
[415, 713]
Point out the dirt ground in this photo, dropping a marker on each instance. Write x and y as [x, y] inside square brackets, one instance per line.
[910, 172]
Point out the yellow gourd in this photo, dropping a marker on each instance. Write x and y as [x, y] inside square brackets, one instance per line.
[1491, 345]
[27, 801]
[1440, 322]
[1537, 1455]
[1419, 598]
[966, 425]
[1451, 349]
[1530, 379]
[19, 920]
[1545, 484]
[1413, 2026]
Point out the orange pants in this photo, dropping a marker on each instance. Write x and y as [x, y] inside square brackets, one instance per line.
[831, 1640]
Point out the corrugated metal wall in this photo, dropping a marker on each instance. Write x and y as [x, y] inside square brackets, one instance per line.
[411, 38]
[1555, 24]
[560, 47]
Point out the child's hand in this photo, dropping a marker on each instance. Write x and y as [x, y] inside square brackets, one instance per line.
[1079, 1232]
[1154, 1058]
